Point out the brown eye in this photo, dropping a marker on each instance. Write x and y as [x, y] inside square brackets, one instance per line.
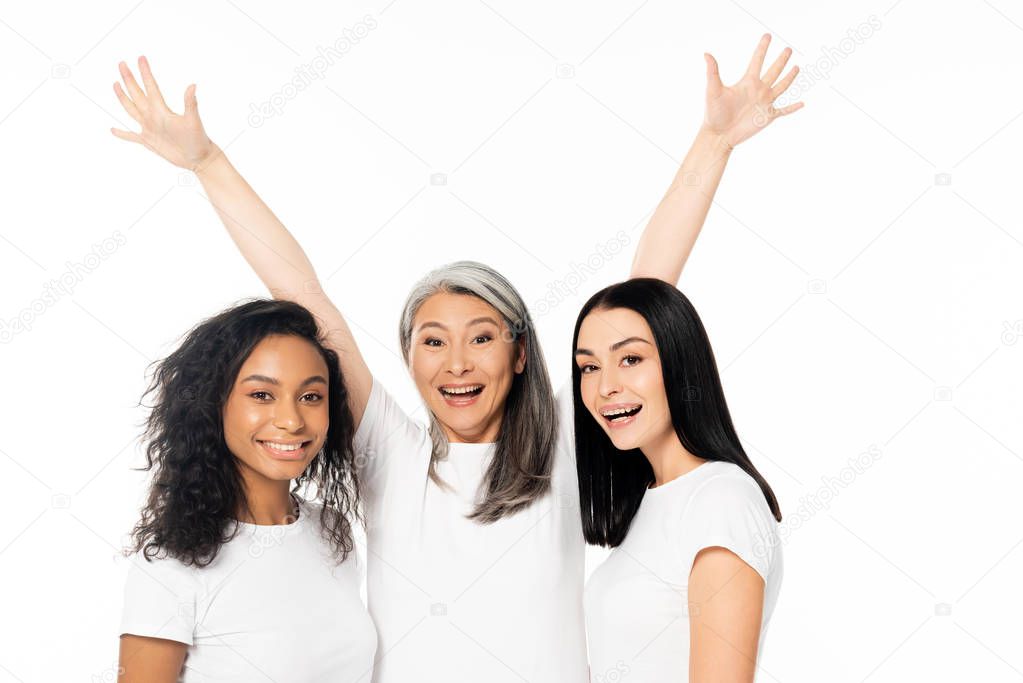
[629, 361]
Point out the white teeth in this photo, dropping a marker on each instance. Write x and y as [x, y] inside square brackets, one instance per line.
[618, 411]
[282, 446]
[461, 390]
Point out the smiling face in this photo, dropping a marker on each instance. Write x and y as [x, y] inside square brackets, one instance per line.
[463, 361]
[276, 417]
[621, 382]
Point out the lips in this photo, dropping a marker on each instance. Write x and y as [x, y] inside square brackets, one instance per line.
[460, 395]
[619, 415]
[284, 450]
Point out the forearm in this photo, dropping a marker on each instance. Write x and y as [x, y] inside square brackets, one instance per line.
[670, 234]
[267, 246]
[272, 252]
[280, 262]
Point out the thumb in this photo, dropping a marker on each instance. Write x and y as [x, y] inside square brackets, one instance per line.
[191, 106]
[126, 135]
[714, 84]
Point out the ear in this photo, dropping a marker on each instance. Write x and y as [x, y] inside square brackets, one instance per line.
[520, 361]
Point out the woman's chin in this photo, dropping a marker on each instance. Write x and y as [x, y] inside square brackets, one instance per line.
[624, 440]
[462, 428]
[463, 421]
[284, 471]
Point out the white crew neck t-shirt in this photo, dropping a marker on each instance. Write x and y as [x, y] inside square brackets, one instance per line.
[273, 605]
[637, 619]
[455, 600]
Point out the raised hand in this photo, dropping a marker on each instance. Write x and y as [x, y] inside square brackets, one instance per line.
[739, 111]
[180, 139]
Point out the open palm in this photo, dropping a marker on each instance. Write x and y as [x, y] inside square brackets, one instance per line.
[178, 138]
[738, 111]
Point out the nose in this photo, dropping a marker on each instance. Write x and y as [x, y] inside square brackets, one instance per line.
[609, 382]
[459, 361]
[286, 416]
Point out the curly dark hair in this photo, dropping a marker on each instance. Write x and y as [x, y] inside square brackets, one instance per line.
[196, 489]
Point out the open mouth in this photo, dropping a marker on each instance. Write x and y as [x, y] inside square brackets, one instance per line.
[621, 416]
[460, 395]
[286, 451]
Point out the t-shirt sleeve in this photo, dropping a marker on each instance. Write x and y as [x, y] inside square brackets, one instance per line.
[385, 432]
[160, 599]
[731, 512]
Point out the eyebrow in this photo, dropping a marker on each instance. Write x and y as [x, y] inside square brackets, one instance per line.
[613, 347]
[474, 321]
[272, 380]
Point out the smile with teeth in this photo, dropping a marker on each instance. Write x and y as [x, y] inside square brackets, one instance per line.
[282, 448]
[620, 414]
[467, 390]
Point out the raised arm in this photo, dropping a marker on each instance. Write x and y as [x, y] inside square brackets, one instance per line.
[733, 114]
[274, 254]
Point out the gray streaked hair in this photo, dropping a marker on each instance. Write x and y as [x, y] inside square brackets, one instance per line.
[520, 471]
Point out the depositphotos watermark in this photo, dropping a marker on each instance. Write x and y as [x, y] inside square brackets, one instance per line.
[811, 504]
[110, 674]
[53, 290]
[1012, 332]
[615, 674]
[314, 70]
[831, 57]
[559, 290]
[274, 536]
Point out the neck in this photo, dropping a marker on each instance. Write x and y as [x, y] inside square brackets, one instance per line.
[268, 502]
[669, 459]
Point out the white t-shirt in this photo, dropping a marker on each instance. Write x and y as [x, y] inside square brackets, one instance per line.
[273, 605]
[636, 608]
[456, 600]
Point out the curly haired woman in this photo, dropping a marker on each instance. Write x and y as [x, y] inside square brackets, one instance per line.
[234, 577]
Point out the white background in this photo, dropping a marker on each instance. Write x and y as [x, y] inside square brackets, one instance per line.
[856, 298]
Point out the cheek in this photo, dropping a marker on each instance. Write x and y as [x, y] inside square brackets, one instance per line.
[499, 363]
[591, 396]
[319, 418]
[240, 418]
[588, 392]
[421, 366]
[650, 383]
[240, 424]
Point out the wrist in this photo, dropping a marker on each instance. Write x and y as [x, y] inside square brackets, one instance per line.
[209, 160]
[716, 139]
